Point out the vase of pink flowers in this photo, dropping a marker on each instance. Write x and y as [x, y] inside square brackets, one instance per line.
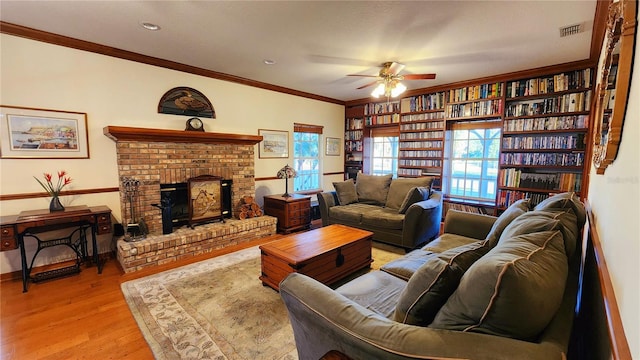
[54, 190]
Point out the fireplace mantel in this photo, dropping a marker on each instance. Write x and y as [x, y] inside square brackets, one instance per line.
[123, 133]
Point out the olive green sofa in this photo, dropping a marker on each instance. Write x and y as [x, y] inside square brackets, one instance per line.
[403, 212]
[487, 288]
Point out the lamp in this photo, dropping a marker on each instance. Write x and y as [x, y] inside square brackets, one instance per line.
[389, 87]
[286, 173]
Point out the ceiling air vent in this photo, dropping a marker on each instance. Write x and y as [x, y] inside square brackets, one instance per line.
[571, 29]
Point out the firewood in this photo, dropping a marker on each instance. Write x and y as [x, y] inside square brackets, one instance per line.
[247, 199]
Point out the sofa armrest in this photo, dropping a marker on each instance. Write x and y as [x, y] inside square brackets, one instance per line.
[326, 200]
[323, 320]
[422, 221]
[475, 226]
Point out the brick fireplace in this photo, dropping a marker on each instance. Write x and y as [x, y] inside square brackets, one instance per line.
[156, 156]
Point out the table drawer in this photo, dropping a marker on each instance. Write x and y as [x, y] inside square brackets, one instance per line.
[8, 243]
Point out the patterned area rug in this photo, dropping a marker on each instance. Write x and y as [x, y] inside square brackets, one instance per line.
[218, 309]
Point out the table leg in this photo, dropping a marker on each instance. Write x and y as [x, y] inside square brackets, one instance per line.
[23, 260]
[96, 255]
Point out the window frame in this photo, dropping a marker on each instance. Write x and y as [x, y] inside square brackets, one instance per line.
[449, 161]
[384, 132]
[302, 173]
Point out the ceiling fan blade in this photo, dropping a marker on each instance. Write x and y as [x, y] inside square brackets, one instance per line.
[395, 68]
[419, 76]
[374, 76]
[367, 85]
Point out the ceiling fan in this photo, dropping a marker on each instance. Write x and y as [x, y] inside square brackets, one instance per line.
[389, 80]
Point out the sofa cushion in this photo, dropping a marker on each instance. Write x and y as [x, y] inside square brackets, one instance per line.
[538, 220]
[373, 189]
[512, 291]
[376, 290]
[399, 189]
[381, 217]
[346, 192]
[432, 284]
[414, 195]
[516, 209]
[351, 213]
[448, 241]
[405, 266]
[565, 201]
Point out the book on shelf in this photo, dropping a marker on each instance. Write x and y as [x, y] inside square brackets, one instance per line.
[507, 197]
[574, 102]
[477, 108]
[567, 122]
[382, 119]
[381, 108]
[578, 79]
[514, 178]
[422, 102]
[542, 142]
[476, 209]
[476, 92]
[543, 159]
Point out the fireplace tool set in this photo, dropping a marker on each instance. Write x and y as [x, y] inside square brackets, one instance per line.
[136, 227]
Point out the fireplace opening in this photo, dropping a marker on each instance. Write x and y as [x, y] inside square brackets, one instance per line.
[177, 195]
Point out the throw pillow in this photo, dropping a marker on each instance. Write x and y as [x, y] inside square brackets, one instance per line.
[413, 196]
[400, 187]
[538, 220]
[516, 209]
[565, 201]
[512, 291]
[432, 284]
[373, 189]
[346, 192]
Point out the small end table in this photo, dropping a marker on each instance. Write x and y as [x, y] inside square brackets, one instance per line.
[293, 211]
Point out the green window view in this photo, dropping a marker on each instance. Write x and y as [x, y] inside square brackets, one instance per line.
[473, 163]
[306, 161]
[384, 157]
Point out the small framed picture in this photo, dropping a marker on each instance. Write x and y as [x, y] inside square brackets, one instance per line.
[332, 147]
[29, 133]
[274, 144]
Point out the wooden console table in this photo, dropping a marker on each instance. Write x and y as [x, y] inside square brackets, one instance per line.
[15, 228]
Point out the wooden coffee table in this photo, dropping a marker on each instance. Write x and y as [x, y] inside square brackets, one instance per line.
[326, 254]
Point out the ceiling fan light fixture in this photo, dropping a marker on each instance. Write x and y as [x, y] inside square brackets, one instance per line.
[379, 90]
[388, 88]
[398, 89]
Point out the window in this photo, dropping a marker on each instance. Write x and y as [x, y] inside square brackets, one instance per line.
[471, 160]
[306, 157]
[384, 151]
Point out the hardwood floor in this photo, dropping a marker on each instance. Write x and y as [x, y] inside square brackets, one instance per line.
[79, 317]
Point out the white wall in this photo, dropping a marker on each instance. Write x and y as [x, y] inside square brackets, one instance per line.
[615, 199]
[123, 93]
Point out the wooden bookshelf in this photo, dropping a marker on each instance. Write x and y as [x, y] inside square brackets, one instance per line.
[545, 136]
[422, 127]
[353, 140]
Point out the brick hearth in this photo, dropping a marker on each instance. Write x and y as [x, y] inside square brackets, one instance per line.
[185, 242]
[154, 157]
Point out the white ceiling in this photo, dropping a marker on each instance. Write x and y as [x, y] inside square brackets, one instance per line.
[317, 43]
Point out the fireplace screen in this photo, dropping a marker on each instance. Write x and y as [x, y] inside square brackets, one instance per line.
[205, 199]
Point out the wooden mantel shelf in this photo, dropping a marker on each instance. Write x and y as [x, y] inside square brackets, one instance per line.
[122, 133]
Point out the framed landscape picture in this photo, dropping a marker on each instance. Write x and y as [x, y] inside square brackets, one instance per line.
[332, 146]
[42, 134]
[274, 144]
